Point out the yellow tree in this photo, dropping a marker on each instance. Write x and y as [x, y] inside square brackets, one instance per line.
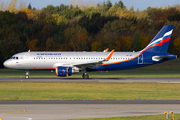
[128, 43]
[12, 6]
[2, 5]
[32, 45]
[83, 38]
[76, 37]
[62, 19]
[144, 41]
[22, 5]
[118, 45]
[50, 44]
[177, 44]
[29, 13]
[95, 46]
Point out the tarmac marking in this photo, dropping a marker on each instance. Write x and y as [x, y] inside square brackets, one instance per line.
[100, 109]
[14, 109]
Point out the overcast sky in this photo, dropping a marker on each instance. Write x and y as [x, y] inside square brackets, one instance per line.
[141, 4]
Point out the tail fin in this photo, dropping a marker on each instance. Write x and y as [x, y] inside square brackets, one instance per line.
[160, 42]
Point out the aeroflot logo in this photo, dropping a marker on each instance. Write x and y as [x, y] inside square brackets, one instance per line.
[48, 54]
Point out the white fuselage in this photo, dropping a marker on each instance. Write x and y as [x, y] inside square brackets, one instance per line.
[50, 60]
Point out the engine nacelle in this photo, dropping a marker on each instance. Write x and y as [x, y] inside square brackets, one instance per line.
[63, 71]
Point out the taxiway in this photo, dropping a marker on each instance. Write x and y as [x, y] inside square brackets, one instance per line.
[62, 110]
[118, 80]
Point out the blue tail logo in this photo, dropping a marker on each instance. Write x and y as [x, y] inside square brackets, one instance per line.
[160, 42]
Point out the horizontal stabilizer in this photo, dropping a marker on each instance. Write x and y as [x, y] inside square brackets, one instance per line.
[158, 58]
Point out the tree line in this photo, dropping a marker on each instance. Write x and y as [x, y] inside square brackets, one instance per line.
[77, 27]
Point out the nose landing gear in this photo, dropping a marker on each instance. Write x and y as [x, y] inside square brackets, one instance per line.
[27, 74]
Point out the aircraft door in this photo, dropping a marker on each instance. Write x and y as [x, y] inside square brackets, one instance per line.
[26, 58]
[140, 59]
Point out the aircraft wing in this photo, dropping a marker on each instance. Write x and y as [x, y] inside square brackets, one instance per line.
[95, 62]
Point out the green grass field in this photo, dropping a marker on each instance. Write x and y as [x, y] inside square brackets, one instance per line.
[88, 91]
[144, 117]
[170, 69]
[98, 91]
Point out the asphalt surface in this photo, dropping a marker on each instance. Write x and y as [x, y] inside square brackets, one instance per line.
[77, 111]
[62, 110]
[96, 80]
[94, 102]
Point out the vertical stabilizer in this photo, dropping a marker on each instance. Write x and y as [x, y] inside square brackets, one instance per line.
[160, 42]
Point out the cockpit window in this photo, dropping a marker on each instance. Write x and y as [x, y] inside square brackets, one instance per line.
[14, 58]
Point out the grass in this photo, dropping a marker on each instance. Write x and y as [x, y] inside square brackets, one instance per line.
[144, 117]
[169, 69]
[88, 91]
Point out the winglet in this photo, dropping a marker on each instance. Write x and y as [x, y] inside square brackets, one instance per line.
[110, 55]
[106, 50]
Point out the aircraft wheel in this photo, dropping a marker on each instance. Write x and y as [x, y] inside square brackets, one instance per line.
[27, 77]
[85, 76]
[27, 74]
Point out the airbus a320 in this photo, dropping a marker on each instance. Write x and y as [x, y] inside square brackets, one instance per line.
[67, 63]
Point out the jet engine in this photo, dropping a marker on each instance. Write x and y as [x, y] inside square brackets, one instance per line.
[65, 71]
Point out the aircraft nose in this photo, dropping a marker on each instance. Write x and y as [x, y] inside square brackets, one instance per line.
[6, 64]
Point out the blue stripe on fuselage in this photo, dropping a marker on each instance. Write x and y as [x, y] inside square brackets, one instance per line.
[133, 63]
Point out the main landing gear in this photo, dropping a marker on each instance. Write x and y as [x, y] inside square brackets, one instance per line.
[27, 74]
[85, 76]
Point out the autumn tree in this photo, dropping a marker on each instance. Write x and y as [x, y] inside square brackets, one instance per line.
[10, 46]
[177, 45]
[136, 42]
[29, 13]
[124, 43]
[6, 18]
[51, 9]
[50, 44]
[22, 5]
[12, 6]
[33, 45]
[76, 38]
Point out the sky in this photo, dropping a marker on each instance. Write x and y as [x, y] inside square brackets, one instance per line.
[140, 4]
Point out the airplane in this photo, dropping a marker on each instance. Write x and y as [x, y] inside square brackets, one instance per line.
[67, 63]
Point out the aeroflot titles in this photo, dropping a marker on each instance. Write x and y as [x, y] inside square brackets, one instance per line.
[48, 54]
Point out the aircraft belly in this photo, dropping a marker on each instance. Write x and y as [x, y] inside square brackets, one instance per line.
[123, 65]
